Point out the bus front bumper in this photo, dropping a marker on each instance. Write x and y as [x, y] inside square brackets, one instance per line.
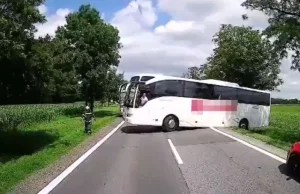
[132, 121]
[139, 121]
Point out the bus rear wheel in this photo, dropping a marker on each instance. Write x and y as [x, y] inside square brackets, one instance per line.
[244, 124]
[170, 123]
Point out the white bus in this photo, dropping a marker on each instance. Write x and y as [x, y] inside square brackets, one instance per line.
[136, 78]
[177, 102]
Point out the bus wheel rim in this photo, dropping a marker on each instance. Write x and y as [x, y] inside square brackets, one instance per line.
[171, 123]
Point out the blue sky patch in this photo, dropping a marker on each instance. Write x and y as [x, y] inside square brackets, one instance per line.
[108, 7]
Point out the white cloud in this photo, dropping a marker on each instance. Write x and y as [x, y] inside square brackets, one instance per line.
[185, 40]
[53, 21]
[42, 9]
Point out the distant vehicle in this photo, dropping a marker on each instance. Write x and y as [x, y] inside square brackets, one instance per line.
[175, 102]
[136, 78]
[293, 158]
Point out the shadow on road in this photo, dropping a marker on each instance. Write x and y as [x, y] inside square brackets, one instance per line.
[141, 129]
[191, 128]
[150, 129]
[295, 176]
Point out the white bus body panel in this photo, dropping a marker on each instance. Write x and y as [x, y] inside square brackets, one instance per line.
[154, 112]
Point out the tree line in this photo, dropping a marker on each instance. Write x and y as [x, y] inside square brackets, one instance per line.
[285, 101]
[78, 63]
[250, 57]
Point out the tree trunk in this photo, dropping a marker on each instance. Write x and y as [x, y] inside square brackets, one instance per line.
[92, 105]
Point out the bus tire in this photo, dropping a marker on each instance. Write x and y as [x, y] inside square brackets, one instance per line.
[291, 164]
[244, 124]
[170, 123]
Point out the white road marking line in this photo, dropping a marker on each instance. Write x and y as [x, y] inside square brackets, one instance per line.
[251, 146]
[175, 153]
[67, 171]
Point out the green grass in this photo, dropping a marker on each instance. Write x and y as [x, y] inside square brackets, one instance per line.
[38, 144]
[14, 116]
[284, 127]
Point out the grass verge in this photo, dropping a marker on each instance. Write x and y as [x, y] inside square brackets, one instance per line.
[27, 150]
[284, 128]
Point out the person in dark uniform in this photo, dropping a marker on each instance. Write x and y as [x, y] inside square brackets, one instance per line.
[88, 116]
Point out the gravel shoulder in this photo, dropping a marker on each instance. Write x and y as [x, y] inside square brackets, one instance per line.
[39, 180]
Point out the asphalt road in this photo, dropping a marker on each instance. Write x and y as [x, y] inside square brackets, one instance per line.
[132, 162]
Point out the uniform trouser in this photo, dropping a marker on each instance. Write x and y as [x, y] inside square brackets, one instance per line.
[88, 126]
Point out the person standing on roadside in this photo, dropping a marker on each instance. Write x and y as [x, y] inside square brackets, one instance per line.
[88, 117]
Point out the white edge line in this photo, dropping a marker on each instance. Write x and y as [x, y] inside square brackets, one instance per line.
[251, 146]
[176, 154]
[67, 171]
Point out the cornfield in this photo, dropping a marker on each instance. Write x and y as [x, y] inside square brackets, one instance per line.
[15, 116]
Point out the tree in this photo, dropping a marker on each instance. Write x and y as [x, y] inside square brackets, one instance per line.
[40, 70]
[53, 75]
[94, 45]
[243, 56]
[284, 25]
[194, 73]
[114, 81]
[17, 19]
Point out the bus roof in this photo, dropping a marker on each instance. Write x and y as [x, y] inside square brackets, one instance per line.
[147, 74]
[207, 81]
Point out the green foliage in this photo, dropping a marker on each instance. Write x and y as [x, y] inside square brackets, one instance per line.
[17, 19]
[284, 127]
[73, 65]
[284, 25]
[243, 56]
[114, 82]
[194, 73]
[95, 48]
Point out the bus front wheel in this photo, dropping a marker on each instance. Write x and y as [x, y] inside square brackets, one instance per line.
[244, 124]
[170, 123]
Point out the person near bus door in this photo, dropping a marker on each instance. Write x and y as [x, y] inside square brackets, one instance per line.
[144, 99]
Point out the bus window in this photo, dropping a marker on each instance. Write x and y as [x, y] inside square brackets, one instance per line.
[143, 95]
[146, 78]
[166, 88]
[260, 98]
[225, 93]
[197, 90]
[244, 96]
[135, 79]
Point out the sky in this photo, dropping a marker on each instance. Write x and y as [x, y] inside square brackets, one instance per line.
[167, 36]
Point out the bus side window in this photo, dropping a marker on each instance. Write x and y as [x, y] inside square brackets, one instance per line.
[260, 98]
[168, 88]
[197, 90]
[244, 96]
[225, 93]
